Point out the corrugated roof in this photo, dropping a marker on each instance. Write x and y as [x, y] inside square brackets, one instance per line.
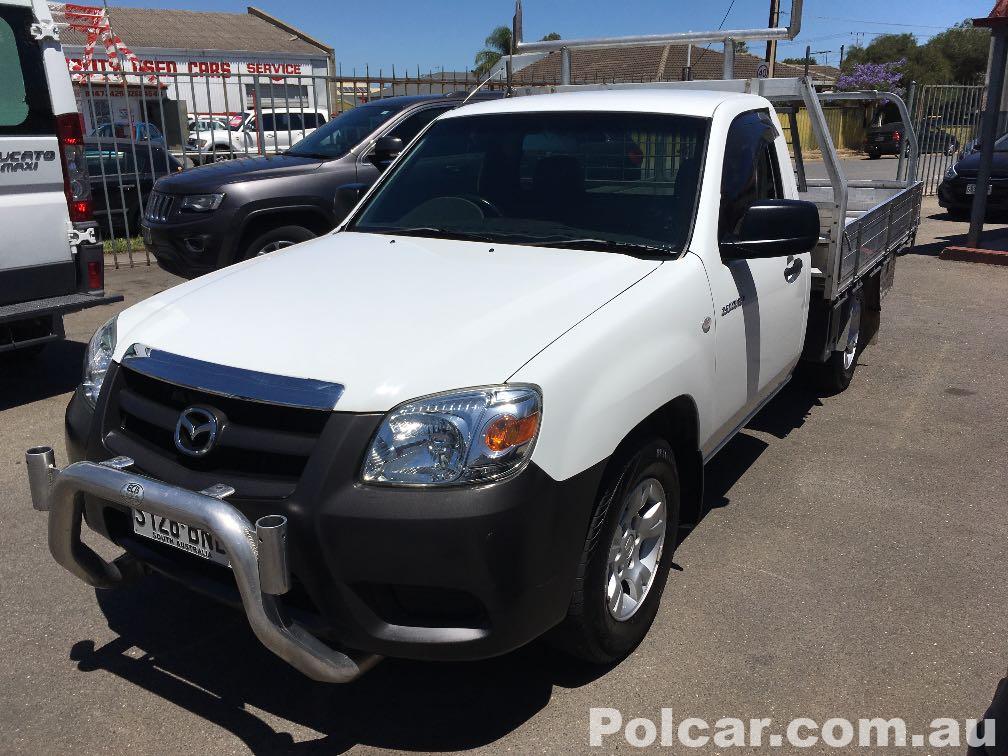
[651, 63]
[197, 30]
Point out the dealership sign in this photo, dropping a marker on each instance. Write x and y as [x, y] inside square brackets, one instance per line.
[216, 68]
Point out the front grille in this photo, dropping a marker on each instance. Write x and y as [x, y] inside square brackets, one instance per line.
[261, 449]
[159, 207]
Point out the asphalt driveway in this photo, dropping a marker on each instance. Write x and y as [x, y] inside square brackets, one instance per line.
[853, 566]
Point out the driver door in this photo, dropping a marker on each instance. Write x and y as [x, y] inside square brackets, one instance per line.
[759, 303]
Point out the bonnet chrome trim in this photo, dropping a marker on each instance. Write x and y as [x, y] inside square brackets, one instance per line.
[232, 382]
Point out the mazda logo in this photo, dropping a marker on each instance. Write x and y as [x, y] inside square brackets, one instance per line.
[196, 431]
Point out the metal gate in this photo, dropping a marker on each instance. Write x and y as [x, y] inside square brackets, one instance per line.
[947, 119]
[140, 127]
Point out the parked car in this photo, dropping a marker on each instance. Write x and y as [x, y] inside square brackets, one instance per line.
[959, 186]
[282, 127]
[139, 131]
[213, 141]
[122, 175]
[890, 138]
[51, 260]
[206, 124]
[479, 411]
[214, 216]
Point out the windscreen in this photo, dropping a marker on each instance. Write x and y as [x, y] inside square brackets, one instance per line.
[336, 138]
[593, 180]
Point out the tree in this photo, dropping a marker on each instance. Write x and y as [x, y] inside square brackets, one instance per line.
[965, 47]
[498, 44]
[741, 47]
[885, 77]
[800, 61]
[956, 56]
[551, 37]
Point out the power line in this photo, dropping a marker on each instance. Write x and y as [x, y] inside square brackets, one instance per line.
[878, 23]
[720, 26]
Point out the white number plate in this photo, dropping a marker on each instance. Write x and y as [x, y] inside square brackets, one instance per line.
[180, 536]
[971, 188]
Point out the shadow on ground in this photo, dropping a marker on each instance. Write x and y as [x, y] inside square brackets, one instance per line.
[202, 656]
[56, 370]
[994, 234]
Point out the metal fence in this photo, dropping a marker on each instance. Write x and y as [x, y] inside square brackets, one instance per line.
[141, 127]
[946, 119]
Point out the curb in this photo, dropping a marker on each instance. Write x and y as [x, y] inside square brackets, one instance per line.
[970, 254]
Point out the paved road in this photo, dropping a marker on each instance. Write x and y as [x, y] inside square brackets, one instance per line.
[853, 565]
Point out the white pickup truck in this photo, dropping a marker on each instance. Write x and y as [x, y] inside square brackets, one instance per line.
[479, 411]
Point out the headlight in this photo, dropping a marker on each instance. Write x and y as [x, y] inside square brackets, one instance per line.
[470, 436]
[202, 203]
[97, 360]
[951, 172]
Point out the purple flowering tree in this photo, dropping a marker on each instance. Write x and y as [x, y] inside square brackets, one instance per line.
[885, 77]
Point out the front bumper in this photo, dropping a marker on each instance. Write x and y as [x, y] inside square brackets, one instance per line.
[455, 573]
[258, 555]
[952, 194]
[193, 247]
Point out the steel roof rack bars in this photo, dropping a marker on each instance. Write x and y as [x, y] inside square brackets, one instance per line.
[726, 36]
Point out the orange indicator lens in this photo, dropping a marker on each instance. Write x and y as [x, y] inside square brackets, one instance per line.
[507, 431]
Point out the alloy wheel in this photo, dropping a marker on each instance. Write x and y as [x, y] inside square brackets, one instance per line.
[636, 549]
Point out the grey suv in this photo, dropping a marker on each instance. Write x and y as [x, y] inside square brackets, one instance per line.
[210, 217]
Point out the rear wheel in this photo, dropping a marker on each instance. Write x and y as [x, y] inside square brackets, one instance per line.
[874, 155]
[626, 559]
[836, 373]
[276, 239]
[958, 213]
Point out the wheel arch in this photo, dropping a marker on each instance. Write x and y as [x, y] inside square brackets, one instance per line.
[259, 222]
[678, 423]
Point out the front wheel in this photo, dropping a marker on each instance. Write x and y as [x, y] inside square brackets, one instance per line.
[276, 239]
[626, 559]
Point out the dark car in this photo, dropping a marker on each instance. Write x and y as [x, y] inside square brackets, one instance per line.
[213, 216]
[122, 174]
[891, 137]
[957, 189]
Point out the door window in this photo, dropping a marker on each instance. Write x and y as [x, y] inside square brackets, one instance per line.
[751, 171]
[413, 124]
[24, 95]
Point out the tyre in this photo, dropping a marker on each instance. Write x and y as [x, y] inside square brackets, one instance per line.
[958, 213]
[219, 155]
[836, 373]
[626, 559]
[275, 239]
[874, 155]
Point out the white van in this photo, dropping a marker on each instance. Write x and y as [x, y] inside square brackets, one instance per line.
[283, 127]
[51, 259]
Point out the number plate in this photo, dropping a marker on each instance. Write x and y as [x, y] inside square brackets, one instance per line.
[971, 188]
[180, 536]
[879, 138]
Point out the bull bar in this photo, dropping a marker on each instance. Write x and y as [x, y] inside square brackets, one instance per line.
[258, 554]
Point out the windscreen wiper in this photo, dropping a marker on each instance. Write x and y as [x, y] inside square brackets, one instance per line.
[637, 249]
[436, 231]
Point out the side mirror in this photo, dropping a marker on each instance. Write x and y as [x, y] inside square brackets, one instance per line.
[347, 196]
[385, 150]
[774, 228]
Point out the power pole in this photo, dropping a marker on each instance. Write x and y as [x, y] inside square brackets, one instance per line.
[841, 56]
[771, 45]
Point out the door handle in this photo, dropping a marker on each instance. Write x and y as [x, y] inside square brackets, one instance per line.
[792, 270]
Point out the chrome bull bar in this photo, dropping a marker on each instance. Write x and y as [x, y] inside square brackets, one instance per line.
[258, 554]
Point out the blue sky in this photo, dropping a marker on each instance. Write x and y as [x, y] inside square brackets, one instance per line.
[448, 33]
